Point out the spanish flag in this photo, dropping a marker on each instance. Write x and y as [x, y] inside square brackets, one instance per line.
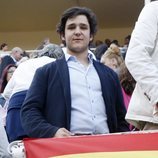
[127, 145]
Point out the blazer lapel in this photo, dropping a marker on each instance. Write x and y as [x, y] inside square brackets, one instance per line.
[65, 81]
[104, 80]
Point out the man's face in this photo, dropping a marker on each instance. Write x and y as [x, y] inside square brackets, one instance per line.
[18, 55]
[77, 34]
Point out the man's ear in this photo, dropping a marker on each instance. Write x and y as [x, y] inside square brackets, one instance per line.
[62, 37]
[91, 38]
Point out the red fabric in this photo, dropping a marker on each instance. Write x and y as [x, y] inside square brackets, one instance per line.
[49, 147]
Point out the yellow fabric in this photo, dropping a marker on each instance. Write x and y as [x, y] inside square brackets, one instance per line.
[127, 154]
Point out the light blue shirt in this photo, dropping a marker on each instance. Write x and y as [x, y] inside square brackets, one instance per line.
[88, 113]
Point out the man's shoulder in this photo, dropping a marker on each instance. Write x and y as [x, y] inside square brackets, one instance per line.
[53, 64]
[7, 57]
[103, 67]
[108, 73]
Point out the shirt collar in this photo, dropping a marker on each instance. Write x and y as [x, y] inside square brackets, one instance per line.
[68, 57]
[13, 59]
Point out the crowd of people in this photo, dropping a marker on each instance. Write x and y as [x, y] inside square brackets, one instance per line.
[68, 90]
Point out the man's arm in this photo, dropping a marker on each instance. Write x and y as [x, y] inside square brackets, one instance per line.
[32, 112]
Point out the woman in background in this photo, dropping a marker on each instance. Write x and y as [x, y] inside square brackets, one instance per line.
[112, 57]
[6, 75]
[127, 83]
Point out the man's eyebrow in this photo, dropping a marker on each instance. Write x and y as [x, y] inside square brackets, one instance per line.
[71, 24]
[84, 24]
[77, 24]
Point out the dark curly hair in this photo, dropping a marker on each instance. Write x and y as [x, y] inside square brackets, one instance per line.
[126, 79]
[75, 11]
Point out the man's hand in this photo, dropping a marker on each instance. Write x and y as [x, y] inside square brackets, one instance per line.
[62, 132]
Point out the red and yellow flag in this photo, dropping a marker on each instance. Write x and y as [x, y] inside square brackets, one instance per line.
[134, 145]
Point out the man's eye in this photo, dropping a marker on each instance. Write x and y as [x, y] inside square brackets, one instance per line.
[71, 27]
[84, 28]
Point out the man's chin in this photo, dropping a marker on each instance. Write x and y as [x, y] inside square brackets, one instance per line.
[78, 49]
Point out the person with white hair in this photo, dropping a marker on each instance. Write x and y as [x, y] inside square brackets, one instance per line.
[13, 58]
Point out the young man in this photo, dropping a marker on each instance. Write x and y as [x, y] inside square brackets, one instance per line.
[75, 94]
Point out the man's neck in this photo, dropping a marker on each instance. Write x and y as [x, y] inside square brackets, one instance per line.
[82, 57]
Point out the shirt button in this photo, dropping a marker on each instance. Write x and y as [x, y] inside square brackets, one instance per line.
[93, 117]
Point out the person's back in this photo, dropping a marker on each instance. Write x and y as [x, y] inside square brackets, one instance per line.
[17, 87]
[16, 91]
[24, 74]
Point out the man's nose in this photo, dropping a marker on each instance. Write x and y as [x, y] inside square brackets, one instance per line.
[77, 31]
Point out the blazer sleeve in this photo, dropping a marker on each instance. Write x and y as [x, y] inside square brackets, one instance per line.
[32, 112]
[113, 98]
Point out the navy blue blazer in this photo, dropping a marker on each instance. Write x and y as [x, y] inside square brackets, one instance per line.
[47, 106]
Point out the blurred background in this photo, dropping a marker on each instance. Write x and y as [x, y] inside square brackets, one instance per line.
[25, 23]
